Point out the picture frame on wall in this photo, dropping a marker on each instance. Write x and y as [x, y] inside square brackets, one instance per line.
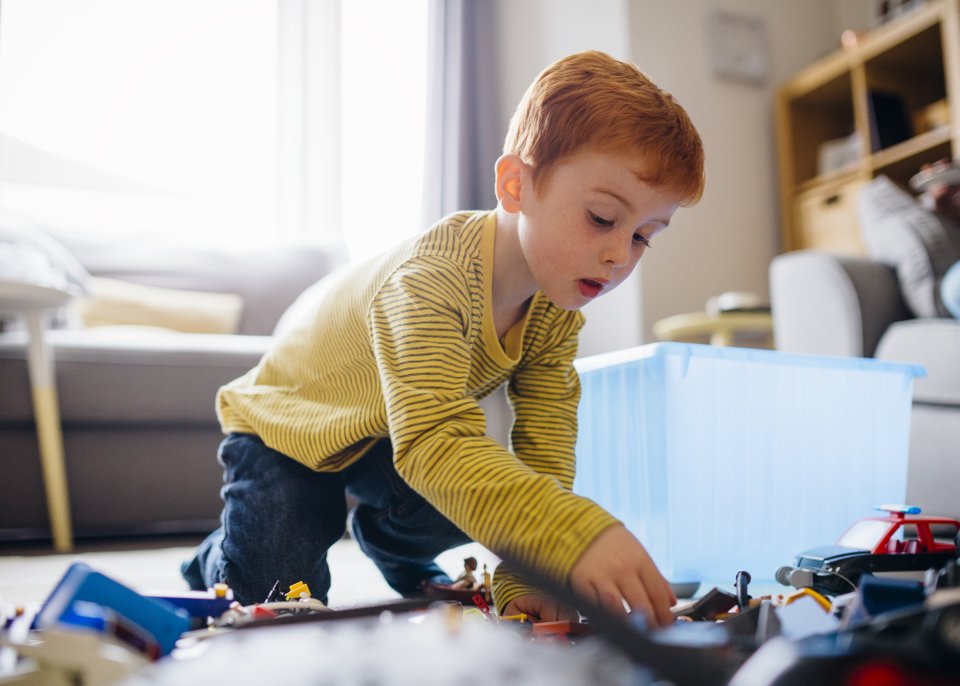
[738, 47]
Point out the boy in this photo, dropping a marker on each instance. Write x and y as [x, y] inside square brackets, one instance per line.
[375, 390]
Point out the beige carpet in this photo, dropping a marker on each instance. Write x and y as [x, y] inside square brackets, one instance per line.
[28, 579]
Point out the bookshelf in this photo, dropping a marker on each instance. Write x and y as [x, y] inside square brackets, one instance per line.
[885, 105]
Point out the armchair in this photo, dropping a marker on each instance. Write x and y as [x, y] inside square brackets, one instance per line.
[831, 305]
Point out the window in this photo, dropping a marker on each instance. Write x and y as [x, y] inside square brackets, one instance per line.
[239, 121]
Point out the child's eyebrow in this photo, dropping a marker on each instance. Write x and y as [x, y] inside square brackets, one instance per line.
[616, 196]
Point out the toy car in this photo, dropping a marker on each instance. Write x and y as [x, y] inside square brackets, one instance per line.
[875, 545]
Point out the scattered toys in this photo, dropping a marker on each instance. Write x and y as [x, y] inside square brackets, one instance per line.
[93, 631]
[899, 542]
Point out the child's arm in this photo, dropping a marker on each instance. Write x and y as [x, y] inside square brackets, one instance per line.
[615, 568]
[422, 327]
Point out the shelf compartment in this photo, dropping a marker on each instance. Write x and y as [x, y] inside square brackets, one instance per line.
[901, 83]
[821, 115]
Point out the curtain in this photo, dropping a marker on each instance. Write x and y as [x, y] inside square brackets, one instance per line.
[464, 131]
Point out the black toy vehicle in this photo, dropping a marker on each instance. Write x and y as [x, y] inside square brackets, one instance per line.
[896, 543]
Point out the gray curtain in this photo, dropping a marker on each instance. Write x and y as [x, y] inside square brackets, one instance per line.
[464, 131]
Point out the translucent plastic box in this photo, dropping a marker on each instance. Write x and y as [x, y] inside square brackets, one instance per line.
[727, 459]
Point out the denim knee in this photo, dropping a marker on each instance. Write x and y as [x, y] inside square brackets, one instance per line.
[279, 518]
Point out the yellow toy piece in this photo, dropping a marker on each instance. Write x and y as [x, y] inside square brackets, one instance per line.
[297, 591]
[220, 590]
[821, 600]
[522, 617]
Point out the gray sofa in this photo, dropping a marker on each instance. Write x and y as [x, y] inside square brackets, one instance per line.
[829, 305]
[137, 407]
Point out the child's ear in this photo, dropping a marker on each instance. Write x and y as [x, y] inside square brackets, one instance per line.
[509, 182]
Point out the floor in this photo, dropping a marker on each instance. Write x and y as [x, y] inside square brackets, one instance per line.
[29, 572]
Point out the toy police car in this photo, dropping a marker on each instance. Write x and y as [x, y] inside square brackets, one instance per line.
[875, 545]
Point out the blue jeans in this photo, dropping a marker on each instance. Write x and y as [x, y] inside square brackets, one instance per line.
[280, 517]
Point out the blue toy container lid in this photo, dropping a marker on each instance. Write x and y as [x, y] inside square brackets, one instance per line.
[688, 351]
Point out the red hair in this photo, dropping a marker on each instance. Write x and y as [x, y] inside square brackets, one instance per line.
[590, 98]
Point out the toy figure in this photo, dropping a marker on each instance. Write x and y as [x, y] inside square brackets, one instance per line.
[467, 579]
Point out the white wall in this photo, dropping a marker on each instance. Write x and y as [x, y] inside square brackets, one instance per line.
[726, 242]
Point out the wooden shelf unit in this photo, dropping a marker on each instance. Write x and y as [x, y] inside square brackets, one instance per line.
[876, 92]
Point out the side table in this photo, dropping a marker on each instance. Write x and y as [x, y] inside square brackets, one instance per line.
[720, 328]
[33, 302]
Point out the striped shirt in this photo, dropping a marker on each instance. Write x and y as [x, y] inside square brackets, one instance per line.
[405, 347]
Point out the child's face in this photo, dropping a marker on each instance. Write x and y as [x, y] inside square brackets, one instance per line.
[588, 224]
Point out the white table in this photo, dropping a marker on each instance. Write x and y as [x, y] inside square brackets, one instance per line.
[33, 302]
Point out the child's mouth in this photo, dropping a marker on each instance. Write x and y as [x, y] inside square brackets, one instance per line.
[590, 288]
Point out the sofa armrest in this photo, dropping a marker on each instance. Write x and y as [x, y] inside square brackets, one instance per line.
[934, 344]
[831, 305]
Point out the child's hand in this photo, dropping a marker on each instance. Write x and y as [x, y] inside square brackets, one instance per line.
[616, 569]
[540, 608]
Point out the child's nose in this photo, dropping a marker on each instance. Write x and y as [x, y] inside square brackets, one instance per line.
[616, 254]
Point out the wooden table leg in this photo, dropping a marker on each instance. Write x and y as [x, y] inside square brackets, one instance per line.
[49, 437]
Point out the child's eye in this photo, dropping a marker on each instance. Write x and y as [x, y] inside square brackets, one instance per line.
[600, 221]
[643, 240]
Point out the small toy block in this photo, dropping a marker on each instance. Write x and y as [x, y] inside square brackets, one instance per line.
[565, 627]
[521, 618]
[297, 590]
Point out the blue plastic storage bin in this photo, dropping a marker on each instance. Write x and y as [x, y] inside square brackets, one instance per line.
[727, 459]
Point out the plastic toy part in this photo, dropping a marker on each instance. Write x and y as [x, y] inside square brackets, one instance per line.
[298, 590]
[809, 592]
[741, 583]
[899, 509]
[83, 594]
[481, 603]
[199, 604]
[563, 627]
[520, 618]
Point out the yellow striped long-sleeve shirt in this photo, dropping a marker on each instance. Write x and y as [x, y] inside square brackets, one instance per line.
[405, 347]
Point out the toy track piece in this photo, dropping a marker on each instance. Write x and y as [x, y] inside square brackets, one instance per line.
[565, 627]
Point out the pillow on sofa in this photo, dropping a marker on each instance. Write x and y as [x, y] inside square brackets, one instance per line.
[921, 245]
[111, 302]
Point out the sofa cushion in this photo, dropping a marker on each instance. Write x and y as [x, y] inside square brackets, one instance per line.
[933, 343]
[111, 302]
[922, 245]
[267, 278]
[143, 377]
